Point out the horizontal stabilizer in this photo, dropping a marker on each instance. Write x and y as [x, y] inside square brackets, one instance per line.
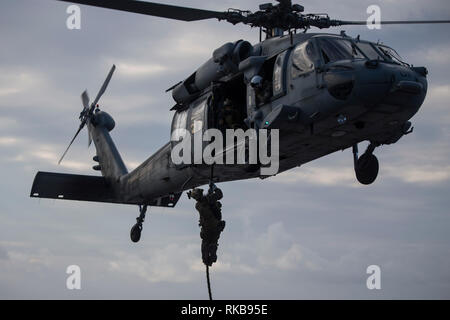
[63, 186]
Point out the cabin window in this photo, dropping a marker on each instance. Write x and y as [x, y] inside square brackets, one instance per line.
[179, 125]
[197, 116]
[336, 49]
[278, 78]
[302, 59]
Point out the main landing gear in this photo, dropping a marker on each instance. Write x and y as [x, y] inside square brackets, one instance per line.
[366, 166]
[135, 233]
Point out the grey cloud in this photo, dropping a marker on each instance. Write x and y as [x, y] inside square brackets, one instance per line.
[3, 254]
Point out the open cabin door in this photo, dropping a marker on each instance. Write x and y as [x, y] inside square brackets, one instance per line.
[190, 124]
[197, 125]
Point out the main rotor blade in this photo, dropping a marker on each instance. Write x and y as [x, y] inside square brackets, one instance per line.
[154, 9]
[76, 134]
[104, 86]
[343, 23]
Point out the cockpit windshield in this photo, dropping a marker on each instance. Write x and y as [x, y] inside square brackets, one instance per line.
[335, 49]
[391, 54]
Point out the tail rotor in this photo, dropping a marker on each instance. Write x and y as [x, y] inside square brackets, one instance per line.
[88, 110]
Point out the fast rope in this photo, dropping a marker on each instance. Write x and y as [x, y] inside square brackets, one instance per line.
[209, 283]
[208, 280]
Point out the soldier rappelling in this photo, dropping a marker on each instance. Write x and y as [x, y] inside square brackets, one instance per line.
[211, 223]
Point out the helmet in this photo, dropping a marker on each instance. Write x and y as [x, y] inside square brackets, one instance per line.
[197, 194]
[256, 82]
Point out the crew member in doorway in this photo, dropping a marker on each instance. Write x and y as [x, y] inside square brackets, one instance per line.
[228, 116]
[263, 90]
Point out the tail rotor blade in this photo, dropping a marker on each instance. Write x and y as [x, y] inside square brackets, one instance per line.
[89, 138]
[70, 144]
[85, 100]
[104, 86]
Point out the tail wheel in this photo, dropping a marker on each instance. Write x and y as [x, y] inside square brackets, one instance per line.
[135, 233]
[367, 168]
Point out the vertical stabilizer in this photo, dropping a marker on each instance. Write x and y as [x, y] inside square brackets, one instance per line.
[110, 161]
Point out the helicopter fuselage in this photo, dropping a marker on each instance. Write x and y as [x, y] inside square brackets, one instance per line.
[322, 92]
[321, 106]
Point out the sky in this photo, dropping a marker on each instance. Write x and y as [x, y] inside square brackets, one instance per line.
[309, 233]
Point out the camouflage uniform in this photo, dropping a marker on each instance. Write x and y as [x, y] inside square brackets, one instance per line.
[211, 222]
[264, 93]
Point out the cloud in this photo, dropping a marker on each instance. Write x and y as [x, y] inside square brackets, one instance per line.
[426, 164]
[136, 109]
[171, 263]
[27, 151]
[440, 93]
[326, 176]
[9, 91]
[3, 254]
[51, 157]
[426, 174]
[130, 69]
[434, 56]
[13, 83]
[277, 248]
[436, 105]
[8, 141]
[8, 123]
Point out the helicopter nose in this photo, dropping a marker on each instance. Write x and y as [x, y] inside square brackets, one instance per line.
[373, 82]
[408, 90]
[340, 81]
[390, 84]
[365, 81]
[389, 87]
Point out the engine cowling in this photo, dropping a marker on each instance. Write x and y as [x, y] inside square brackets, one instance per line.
[225, 61]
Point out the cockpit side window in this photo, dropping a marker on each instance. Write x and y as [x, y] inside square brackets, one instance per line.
[335, 49]
[303, 59]
[369, 51]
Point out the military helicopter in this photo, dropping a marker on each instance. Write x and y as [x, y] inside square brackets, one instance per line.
[323, 92]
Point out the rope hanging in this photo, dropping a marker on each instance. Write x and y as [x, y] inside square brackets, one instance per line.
[209, 283]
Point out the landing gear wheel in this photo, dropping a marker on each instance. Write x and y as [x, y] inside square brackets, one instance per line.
[367, 168]
[135, 233]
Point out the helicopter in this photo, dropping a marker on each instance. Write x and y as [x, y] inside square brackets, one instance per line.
[322, 92]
